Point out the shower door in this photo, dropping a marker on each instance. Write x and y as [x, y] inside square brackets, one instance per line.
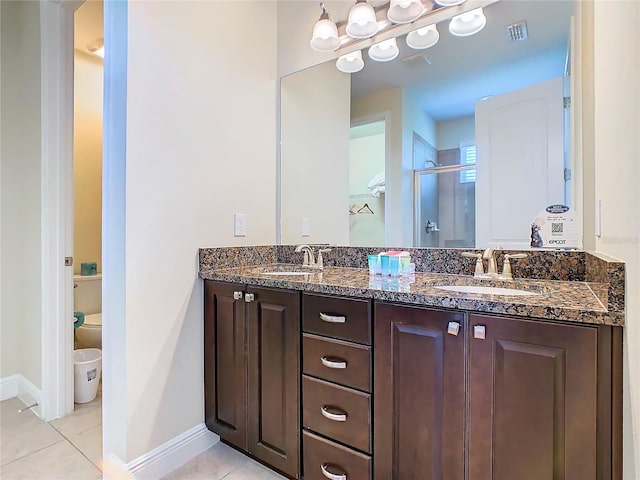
[444, 205]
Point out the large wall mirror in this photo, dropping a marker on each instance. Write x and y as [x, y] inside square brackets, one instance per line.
[457, 145]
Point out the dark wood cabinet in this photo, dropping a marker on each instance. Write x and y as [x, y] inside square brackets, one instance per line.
[225, 362]
[419, 392]
[252, 371]
[273, 328]
[336, 387]
[451, 395]
[532, 400]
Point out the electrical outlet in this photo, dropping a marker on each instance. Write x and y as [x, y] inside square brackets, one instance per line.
[306, 227]
[240, 224]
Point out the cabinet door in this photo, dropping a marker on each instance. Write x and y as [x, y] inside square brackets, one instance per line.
[273, 326]
[419, 399]
[532, 400]
[225, 363]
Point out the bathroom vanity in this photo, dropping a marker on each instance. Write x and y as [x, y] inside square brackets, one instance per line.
[336, 374]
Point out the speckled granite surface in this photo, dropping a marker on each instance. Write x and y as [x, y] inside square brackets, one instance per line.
[571, 286]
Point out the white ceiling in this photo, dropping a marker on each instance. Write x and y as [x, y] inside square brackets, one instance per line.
[460, 71]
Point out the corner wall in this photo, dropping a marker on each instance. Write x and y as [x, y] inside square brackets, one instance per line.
[616, 176]
[20, 321]
[201, 143]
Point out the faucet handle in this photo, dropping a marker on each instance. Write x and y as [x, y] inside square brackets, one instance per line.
[506, 268]
[479, 266]
[319, 260]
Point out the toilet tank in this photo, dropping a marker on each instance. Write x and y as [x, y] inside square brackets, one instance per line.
[87, 293]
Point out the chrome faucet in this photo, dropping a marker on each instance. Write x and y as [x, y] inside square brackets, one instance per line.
[492, 268]
[309, 259]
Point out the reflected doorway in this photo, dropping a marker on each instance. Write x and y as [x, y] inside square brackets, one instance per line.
[367, 184]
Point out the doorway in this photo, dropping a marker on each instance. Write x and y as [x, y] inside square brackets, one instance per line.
[367, 183]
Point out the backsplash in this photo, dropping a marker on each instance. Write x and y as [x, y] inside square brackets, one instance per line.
[573, 266]
[565, 266]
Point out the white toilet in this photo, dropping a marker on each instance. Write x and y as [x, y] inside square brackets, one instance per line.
[87, 298]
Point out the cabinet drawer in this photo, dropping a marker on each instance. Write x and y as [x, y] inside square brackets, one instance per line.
[344, 318]
[337, 412]
[337, 361]
[321, 455]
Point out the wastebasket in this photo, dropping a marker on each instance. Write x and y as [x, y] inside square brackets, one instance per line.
[87, 368]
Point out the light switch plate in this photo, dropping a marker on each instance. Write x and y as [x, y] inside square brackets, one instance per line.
[240, 224]
[306, 227]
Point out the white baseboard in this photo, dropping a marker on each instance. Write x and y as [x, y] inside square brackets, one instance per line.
[9, 387]
[167, 457]
[18, 386]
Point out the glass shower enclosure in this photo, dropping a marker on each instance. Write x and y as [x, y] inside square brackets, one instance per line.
[445, 212]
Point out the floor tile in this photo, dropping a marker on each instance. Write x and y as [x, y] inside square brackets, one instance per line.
[60, 461]
[89, 442]
[213, 464]
[23, 433]
[253, 471]
[84, 417]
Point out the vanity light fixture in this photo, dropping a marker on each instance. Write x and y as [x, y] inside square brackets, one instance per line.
[423, 37]
[468, 23]
[351, 62]
[325, 33]
[97, 48]
[362, 22]
[384, 51]
[404, 11]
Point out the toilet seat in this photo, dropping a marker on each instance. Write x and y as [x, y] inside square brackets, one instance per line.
[93, 321]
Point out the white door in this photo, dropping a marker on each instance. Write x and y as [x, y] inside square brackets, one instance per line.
[520, 171]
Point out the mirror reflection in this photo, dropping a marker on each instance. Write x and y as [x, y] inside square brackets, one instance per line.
[457, 145]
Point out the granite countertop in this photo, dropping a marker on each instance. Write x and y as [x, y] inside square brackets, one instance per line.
[569, 301]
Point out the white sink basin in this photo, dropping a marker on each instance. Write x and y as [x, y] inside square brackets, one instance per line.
[286, 273]
[486, 290]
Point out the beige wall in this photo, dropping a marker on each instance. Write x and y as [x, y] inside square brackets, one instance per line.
[616, 176]
[201, 144]
[451, 133]
[87, 160]
[315, 155]
[20, 186]
[366, 159]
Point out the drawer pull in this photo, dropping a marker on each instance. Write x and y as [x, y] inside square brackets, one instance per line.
[335, 363]
[333, 476]
[336, 417]
[332, 318]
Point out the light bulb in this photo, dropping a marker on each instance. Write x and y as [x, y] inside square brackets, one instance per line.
[423, 37]
[362, 20]
[468, 23]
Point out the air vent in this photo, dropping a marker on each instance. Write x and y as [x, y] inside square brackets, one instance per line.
[517, 31]
[419, 59]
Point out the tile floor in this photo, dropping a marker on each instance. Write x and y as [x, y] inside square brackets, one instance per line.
[70, 448]
[66, 448]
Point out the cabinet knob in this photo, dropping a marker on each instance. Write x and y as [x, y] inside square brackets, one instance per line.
[333, 476]
[336, 417]
[249, 297]
[332, 318]
[333, 363]
[237, 295]
[479, 332]
[453, 328]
